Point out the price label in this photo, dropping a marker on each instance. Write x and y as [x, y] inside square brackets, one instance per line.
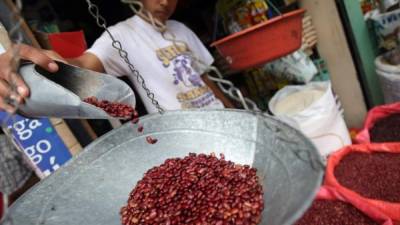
[40, 142]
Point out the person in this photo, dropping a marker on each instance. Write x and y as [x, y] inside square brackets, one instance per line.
[168, 69]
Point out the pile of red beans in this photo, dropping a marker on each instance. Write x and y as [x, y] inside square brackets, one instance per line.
[386, 129]
[197, 189]
[114, 109]
[375, 175]
[327, 212]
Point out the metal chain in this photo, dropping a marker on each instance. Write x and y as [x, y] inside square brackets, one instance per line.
[101, 22]
[226, 86]
[231, 90]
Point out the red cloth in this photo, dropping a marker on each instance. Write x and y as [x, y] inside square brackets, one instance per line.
[373, 116]
[330, 193]
[68, 44]
[390, 209]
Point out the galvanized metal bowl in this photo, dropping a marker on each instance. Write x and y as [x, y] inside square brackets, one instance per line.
[93, 187]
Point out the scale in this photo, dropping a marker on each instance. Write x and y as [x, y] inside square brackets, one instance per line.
[92, 188]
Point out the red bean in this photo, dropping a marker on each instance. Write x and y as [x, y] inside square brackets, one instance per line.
[375, 175]
[151, 140]
[328, 212]
[135, 120]
[193, 190]
[140, 128]
[386, 129]
[119, 110]
[114, 109]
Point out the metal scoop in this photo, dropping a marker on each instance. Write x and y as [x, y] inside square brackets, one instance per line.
[61, 94]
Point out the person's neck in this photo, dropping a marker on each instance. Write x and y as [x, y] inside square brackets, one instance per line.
[146, 19]
[159, 26]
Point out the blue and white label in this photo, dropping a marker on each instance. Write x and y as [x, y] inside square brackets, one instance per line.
[40, 142]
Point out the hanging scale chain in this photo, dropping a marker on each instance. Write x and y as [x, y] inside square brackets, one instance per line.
[226, 86]
[94, 11]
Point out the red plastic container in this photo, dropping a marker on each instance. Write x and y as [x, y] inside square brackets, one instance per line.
[263, 42]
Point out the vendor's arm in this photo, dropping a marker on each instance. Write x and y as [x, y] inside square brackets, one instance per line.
[87, 61]
[217, 91]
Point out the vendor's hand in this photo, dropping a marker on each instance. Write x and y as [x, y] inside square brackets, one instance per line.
[8, 77]
[55, 56]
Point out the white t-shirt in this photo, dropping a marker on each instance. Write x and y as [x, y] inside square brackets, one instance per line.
[167, 69]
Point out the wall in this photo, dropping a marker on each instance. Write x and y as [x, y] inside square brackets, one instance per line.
[333, 47]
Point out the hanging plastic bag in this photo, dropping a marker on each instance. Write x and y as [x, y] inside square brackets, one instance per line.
[388, 5]
[296, 67]
[330, 193]
[373, 116]
[313, 110]
[386, 27]
[388, 208]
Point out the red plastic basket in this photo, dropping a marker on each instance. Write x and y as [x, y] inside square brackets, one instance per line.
[263, 42]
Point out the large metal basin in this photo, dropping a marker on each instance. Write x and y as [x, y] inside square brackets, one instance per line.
[91, 189]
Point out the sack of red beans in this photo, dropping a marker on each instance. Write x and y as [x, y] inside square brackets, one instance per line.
[370, 172]
[381, 125]
[332, 207]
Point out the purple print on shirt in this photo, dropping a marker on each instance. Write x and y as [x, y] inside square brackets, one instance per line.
[185, 73]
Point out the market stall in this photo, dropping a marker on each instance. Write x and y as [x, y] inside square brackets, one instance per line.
[258, 131]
